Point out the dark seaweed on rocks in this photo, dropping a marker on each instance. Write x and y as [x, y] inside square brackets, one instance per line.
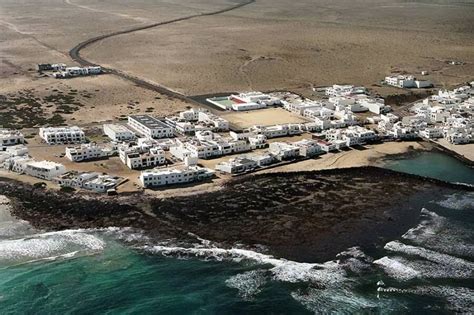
[305, 216]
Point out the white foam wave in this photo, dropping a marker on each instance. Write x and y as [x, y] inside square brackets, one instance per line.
[340, 301]
[459, 201]
[459, 299]
[396, 269]
[438, 233]
[49, 245]
[328, 274]
[4, 200]
[248, 283]
[423, 263]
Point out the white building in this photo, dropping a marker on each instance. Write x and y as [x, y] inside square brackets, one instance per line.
[215, 122]
[423, 84]
[257, 141]
[308, 148]
[237, 165]
[102, 183]
[345, 90]
[62, 135]
[389, 118]
[299, 108]
[149, 126]
[401, 81]
[88, 151]
[376, 106]
[432, 133]
[10, 137]
[327, 146]
[77, 71]
[118, 133]
[91, 181]
[247, 106]
[173, 176]
[262, 159]
[139, 158]
[277, 130]
[458, 135]
[284, 151]
[190, 115]
[43, 169]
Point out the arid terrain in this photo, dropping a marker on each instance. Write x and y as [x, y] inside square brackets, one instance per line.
[265, 45]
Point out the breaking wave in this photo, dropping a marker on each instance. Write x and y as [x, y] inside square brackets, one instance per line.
[248, 283]
[458, 201]
[441, 234]
[328, 273]
[49, 245]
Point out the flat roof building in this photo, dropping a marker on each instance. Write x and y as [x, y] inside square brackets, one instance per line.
[10, 137]
[62, 135]
[149, 126]
[118, 132]
[172, 176]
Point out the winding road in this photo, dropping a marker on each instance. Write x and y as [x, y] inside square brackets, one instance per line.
[74, 53]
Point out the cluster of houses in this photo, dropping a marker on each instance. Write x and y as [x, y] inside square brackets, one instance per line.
[282, 151]
[338, 110]
[167, 151]
[14, 157]
[448, 114]
[244, 101]
[62, 71]
[407, 82]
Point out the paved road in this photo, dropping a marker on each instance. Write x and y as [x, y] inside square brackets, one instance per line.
[74, 53]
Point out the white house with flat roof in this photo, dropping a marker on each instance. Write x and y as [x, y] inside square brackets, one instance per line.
[140, 157]
[43, 169]
[174, 176]
[215, 122]
[149, 126]
[308, 148]
[62, 135]
[91, 181]
[118, 132]
[190, 114]
[401, 81]
[87, 151]
[237, 165]
[262, 159]
[284, 151]
[432, 133]
[10, 137]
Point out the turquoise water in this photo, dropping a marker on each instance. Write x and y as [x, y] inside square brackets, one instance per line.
[430, 269]
[436, 165]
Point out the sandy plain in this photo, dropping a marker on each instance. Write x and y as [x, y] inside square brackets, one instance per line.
[286, 45]
[267, 45]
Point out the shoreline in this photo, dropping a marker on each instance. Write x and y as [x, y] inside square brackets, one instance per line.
[295, 215]
[369, 155]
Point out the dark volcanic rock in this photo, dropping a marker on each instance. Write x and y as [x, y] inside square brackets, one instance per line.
[305, 216]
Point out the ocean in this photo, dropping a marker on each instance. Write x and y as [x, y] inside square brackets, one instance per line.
[106, 271]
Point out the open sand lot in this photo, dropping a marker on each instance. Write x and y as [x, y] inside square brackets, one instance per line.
[264, 117]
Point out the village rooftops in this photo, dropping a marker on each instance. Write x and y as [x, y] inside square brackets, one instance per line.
[149, 121]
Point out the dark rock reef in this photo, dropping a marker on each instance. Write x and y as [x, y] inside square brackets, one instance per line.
[304, 216]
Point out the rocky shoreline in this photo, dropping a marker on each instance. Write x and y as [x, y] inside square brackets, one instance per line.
[304, 216]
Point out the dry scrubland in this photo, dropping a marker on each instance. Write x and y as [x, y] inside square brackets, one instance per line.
[270, 44]
[279, 44]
